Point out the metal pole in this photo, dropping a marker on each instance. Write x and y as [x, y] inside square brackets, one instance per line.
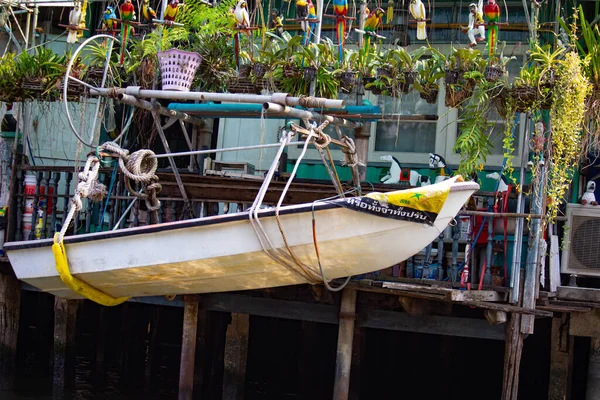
[279, 98]
[146, 105]
[165, 143]
[209, 151]
[515, 279]
[36, 12]
[303, 114]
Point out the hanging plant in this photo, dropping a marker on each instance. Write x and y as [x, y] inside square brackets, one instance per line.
[566, 118]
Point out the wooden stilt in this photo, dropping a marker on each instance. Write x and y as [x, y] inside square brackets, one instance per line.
[561, 359]
[344, 348]
[152, 348]
[188, 347]
[358, 343]
[101, 333]
[512, 357]
[65, 312]
[10, 302]
[593, 381]
[236, 351]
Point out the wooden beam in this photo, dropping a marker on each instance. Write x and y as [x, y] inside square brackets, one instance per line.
[65, 313]
[188, 347]
[585, 324]
[341, 386]
[10, 303]
[578, 294]
[561, 359]
[236, 352]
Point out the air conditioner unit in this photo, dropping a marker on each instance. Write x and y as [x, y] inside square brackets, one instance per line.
[581, 249]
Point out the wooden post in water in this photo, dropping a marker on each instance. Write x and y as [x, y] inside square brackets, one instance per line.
[512, 357]
[561, 359]
[236, 351]
[65, 316]
[188, 347]
[10, 302]
[344, 348]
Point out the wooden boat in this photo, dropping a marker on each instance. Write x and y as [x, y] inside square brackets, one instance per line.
[222, 253]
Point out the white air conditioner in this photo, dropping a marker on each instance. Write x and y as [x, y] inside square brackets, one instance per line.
[581, 249]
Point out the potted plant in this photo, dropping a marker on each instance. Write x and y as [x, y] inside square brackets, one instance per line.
[346, 74]
[496, 67]
[524, 93]
[430, 71]
[10, 78]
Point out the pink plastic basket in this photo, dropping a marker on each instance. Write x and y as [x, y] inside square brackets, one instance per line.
[178, 68]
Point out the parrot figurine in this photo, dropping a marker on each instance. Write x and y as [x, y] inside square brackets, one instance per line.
[302, 13]
[372, 23]
[340, 8]
[417, 10]
[127, 14]
[148, 12]
[109, 18]
[491, 12]
[74, 19]
[312, 14]
[242, 20]
[172, 10]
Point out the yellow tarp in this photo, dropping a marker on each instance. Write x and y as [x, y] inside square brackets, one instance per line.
[425, 198]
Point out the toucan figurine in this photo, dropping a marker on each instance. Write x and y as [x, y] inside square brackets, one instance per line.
[172, 10]
[148, 12]
[340, 8]
[491, 12]
[312, 14]
[74, 20]
[302, 13]
[127, 14]
[417, 10]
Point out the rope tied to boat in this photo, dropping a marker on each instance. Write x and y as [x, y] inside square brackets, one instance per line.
[139, 166]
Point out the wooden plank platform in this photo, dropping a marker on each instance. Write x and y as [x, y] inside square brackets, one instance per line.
[578, 294]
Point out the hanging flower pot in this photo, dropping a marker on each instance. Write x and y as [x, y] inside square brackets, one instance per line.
[451, 76]
[243, 85]
[348, 79]
[493, 73]
[429, 94]
[410, 76]
[33, 87]
[244, 70]
[290, 71]
[524, 97]
[309, 73]
[384, 72]
[94, 76]
[178, 69]
[457, 95]
[259, 70]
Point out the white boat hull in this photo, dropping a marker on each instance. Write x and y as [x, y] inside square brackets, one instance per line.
[222, 253]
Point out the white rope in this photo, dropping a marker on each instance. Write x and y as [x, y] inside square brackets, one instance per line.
[87, 188]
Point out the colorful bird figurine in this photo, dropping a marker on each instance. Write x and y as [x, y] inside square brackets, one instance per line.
[109, 18]
[312, 14]
[127, 14]
[302, 13]
[340, 8]
[372, 23]
[172, 10]
[417, 10]
[491, 12]
[242, 20]
[74, 20]
[148, 12]
[276, 22]
[476, 24]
